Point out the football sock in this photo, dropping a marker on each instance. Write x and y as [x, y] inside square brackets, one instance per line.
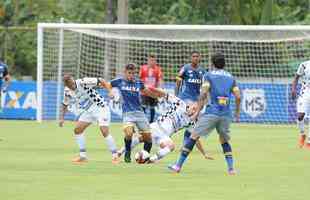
[187, 134]
[301, 126]
[187, 148]
[80, 140]
[228, 155]
[152, 111]
[111, 143]
[163, 152]
[127, 145]
[147, 146]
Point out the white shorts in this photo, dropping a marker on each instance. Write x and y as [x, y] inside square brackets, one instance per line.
[303, 104]
[100, 115]
[158, 135]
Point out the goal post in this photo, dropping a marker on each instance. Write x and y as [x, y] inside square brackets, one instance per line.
[262, 58]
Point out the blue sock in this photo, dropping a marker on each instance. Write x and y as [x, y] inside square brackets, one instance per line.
[147, 146]
[187, 134]
[228, 155]
[152, 111]
[127, 145]
[187, 148]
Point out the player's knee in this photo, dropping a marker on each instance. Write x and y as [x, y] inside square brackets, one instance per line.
[171, 146]
[301, 116]
[104, 131]
[128, 131]
[223, 139]
[194, 136]
[146, 136]
[78, 130]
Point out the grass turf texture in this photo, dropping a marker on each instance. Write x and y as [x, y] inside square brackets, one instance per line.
[36, 164]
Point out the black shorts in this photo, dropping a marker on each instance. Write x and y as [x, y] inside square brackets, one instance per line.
[149, 101]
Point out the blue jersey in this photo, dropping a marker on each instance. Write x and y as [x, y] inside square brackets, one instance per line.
[192, 80]
[130, 91]
[221, 84]
[3, 72]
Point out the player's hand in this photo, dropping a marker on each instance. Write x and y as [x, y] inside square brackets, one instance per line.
[294, 93]
[61, 123]
[206, 156]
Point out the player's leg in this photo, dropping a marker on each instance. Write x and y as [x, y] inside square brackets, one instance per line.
[136, 139]
[205, 124]
[166, 146]
[128, 131]
[80, 140]
[153, 104]
[301, 108]
[103, 116]
[223, 131]
[144, 129]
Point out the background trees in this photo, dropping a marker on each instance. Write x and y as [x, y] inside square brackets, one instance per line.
[18, 18]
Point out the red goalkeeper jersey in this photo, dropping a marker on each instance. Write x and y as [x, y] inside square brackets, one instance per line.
[150, 76]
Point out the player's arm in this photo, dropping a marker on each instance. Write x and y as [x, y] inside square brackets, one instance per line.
[202, 150]
[179, 80]
[7, 79]
[160, 82]
[154, 92]
[299, 73]
[236, 93]
[63, 110]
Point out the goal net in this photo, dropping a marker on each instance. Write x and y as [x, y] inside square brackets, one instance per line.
[263, 59]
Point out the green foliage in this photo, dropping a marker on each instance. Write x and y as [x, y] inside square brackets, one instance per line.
[18, 48]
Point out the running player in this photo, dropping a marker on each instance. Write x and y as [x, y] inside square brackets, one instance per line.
[303, 101]
[130, 89]
[220, 84]
[190, 78]
[82, 99]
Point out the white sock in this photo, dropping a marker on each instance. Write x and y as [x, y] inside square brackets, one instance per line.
[301, 126]
[111, 143]
[163, 152]
[80, 140]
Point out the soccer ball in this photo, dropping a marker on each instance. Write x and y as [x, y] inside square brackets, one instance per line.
[142, 157]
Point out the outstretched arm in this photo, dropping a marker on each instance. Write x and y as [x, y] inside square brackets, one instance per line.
[294, 86]
[63, 110]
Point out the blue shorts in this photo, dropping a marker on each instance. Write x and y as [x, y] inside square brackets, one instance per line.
[138, 119]
[207, 123]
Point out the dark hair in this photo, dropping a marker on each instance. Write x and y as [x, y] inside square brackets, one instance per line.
[152, 55]
[195, 52]
[218, 60]
[130, 66]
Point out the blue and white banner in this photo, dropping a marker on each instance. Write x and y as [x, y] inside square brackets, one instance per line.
[261, 102]
[19, 101]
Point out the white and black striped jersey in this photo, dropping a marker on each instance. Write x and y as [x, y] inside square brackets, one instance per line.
[175, 117]
[304, 72]
[84, 97]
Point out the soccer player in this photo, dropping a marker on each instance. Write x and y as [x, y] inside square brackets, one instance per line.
[4, 75]
[176, 117]
[133, 115]
[151, 76]
[220, 84]
[82, 98]
[190, 78]
[303, 101]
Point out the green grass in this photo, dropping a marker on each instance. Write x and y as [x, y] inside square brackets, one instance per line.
[35, 164]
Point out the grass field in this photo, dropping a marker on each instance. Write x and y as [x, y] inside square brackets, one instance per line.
[36, 165]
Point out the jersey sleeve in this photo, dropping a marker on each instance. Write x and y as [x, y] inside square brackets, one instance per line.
[115, 82]
[89, 82]
[205, 82]
[301, 69]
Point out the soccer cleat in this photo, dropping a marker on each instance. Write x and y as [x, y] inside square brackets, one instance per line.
[174, 168]
[79, 160]
[232, 172]
[301, 141]
[115, 158]
[127, 157]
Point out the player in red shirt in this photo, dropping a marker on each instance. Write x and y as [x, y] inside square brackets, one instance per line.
[151, 76]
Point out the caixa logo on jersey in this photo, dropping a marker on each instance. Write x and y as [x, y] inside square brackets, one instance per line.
[253, 102]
